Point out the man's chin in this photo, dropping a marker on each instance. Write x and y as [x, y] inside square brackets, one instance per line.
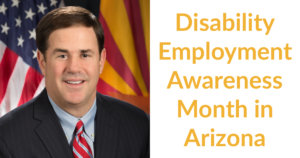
[73, 99]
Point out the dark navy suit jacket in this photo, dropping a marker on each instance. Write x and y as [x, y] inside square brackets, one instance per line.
[33, 131]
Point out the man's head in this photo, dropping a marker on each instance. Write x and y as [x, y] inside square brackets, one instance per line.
[71, 56]
[66, 17]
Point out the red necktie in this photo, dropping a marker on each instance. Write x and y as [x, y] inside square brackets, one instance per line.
[80, 147]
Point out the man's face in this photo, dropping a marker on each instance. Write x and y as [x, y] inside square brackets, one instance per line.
[72, 66]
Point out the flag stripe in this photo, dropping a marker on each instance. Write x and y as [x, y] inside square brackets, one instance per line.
[6, 68]
[114, 13]
[145, 14]
[15, 83]
[104, 88]
[32, 81]
[116, 59]
[40, 87]
[110, 76]
[2, 49]
[134, 15]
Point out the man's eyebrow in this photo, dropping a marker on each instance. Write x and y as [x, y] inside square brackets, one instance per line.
[60, 50]
[85, 50]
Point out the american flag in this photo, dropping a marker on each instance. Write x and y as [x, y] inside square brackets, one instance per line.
[20, 76]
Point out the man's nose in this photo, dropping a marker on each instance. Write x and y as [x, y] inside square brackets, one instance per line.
[74, 64]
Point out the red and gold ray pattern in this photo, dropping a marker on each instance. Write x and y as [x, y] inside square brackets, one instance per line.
[126, 71]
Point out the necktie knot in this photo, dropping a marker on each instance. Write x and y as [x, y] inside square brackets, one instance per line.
[79, 127]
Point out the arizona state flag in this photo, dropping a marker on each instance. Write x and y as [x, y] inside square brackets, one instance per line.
[126, 31]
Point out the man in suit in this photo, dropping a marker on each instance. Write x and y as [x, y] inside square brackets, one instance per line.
[69, 118]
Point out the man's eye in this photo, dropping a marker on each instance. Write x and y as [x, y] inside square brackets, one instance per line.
[85, 55]
[62, 56]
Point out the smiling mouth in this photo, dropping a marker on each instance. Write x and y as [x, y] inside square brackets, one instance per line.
[74, 82]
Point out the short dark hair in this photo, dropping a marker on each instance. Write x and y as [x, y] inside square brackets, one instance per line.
[66, 17]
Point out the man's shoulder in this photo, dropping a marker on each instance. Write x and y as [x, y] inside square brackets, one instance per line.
[17, 120]
[18, 114]
[121, 109]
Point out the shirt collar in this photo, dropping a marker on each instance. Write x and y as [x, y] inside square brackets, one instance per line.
[69, 122]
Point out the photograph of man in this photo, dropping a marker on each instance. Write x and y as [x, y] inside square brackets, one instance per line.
[70, 118]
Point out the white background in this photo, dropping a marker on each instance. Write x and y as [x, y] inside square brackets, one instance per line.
[282, 132]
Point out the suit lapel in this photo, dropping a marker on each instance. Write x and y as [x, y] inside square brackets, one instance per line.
[106, 131]
[49, 130]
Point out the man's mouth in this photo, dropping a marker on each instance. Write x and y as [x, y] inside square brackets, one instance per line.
[75, 82]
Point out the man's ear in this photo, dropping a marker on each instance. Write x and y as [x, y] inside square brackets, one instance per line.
[102, 59]
[42, 61]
